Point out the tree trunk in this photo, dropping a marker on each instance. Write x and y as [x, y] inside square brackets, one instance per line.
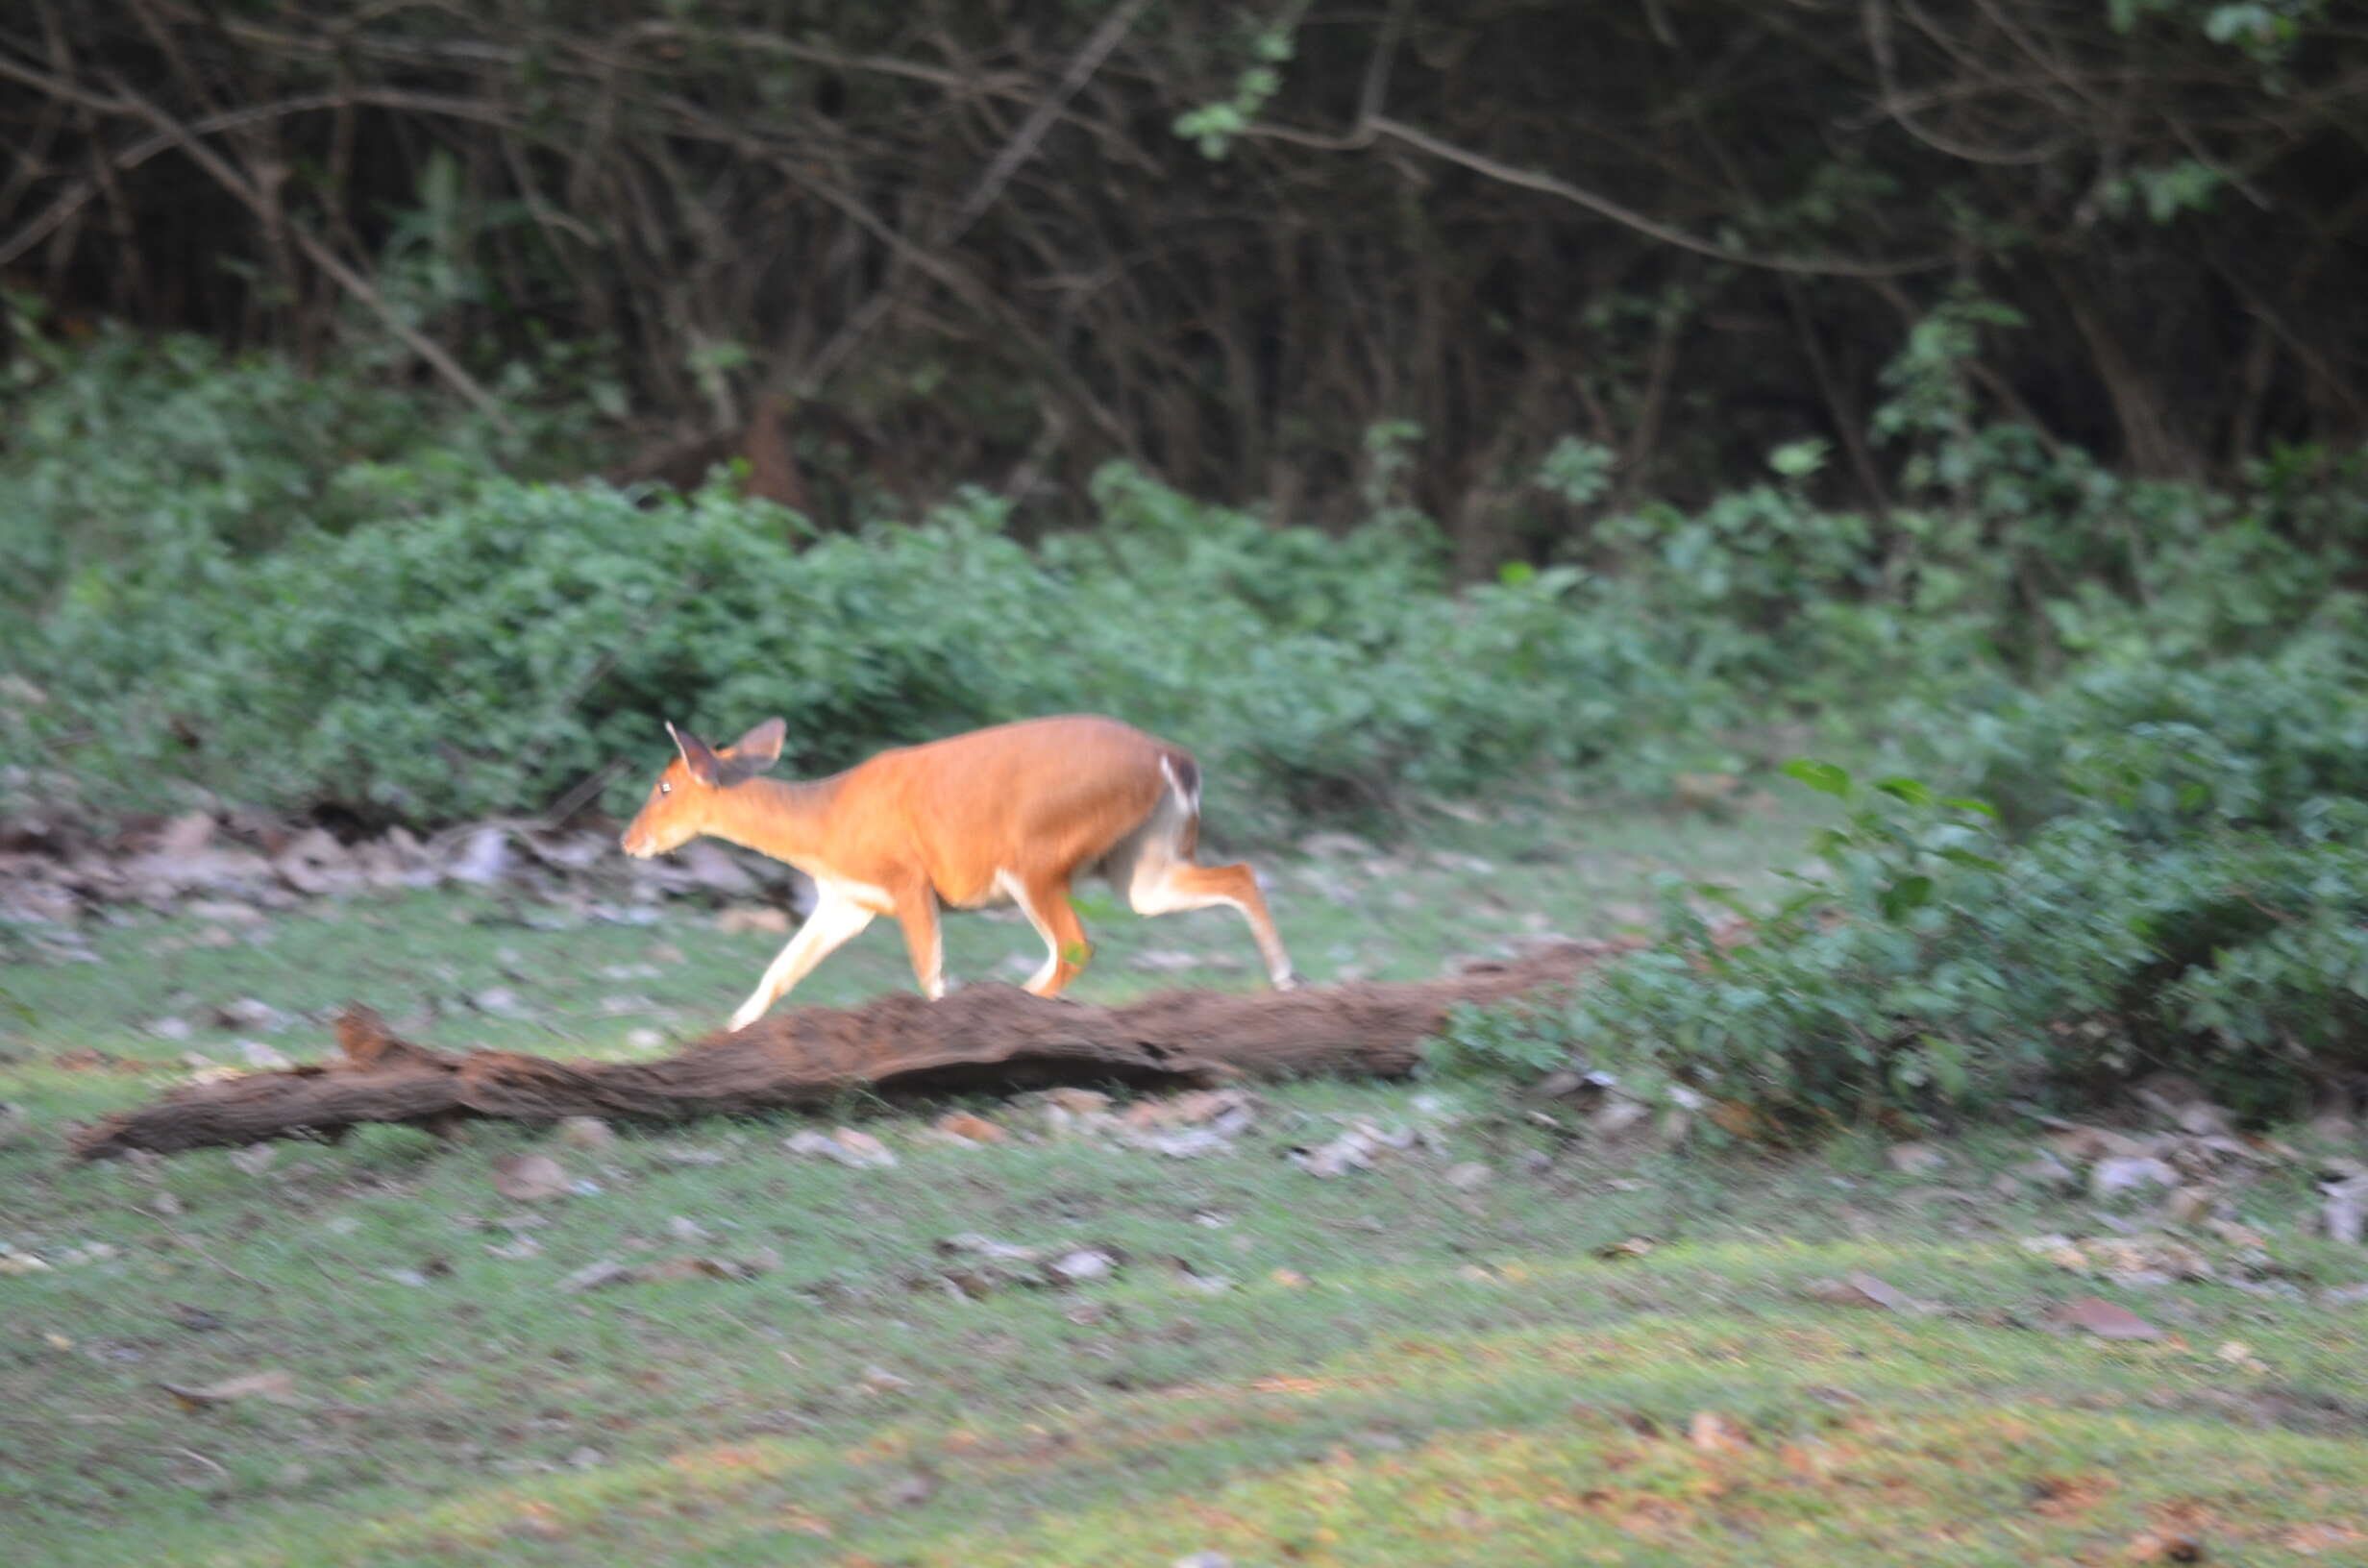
[981, 1040]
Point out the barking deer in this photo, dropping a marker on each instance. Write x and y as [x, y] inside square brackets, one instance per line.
[1009, 815]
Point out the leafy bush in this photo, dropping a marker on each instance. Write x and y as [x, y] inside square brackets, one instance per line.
[1929, 968]
[2279, 744]
[128, 445]
[495, 653]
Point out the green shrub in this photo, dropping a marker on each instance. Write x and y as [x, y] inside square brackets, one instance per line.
[131, 444]
[2279, 744]
[1931, 970]
[491, 655]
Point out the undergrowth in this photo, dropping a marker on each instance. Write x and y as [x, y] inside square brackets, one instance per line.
[2180, 885]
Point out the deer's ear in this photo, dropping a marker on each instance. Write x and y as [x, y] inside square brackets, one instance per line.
[761, 747]
[696, 755]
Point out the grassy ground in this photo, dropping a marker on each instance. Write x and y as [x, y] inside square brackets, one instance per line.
[1389, 1368]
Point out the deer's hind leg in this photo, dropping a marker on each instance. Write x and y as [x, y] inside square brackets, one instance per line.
[1043, 899]
[1154, 868]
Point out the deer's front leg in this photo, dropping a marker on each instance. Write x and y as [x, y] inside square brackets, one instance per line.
[917, 914]
[834, 919]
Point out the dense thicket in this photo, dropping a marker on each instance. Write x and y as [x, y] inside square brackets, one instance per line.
[884, 247]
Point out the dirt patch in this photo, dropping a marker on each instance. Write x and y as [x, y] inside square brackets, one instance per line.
[981, 1040]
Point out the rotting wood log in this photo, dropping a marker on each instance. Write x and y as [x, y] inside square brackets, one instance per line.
[988, 1039]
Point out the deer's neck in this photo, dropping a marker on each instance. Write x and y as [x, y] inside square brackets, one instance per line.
[775, 817]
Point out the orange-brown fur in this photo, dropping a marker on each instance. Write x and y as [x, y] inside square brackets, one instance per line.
[1018, 812]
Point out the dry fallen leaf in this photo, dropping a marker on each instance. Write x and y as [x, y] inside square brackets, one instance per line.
[1713, 1433]
[277, 1386]
[2159, 1546]
[1636, 1247]
[701, 1267]
[1230, 1110]
[2096, 1315]
[1862, 1289]
[529, 1178]
[968, 1128]
[753, 917]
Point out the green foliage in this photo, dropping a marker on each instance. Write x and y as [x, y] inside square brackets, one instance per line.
[2164, 752]
[1577, 471]
[2180, 882]
[1214, 127]
[1928, 969]
[130, 445]
[493, 653]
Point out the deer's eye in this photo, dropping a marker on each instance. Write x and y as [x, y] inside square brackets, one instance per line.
[665, 789]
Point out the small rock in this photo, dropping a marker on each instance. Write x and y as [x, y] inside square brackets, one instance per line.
[2110, 1178]
[482, 859]
[608, 1271]
[2205, 1119]
[589, 1133]
[171, 1029]
[587, 1458]
[1469, 1176]
[1915, 1159]
[683, 1228]
[763, 918]
[498, 1001]
[256, 1054]
[248, 1013]
[845, 1145]
[1618, 1117]
[530, 1178]
[1862, 1289]
[2333, 1127]
[644, 1039]
[2189, 1205]
[2346, 1210]
[1204, 1559]
[2050, 1173]
[1078, 1267]
[2084, 1143]
[256, 1158]
[1189, 1143]
[878, 1380]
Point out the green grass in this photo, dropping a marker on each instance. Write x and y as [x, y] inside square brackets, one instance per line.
[1402, 1372]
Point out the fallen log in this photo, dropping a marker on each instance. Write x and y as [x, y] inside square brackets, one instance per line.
[987, 1039]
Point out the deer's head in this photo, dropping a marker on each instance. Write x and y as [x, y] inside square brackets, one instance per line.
[682, 800]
